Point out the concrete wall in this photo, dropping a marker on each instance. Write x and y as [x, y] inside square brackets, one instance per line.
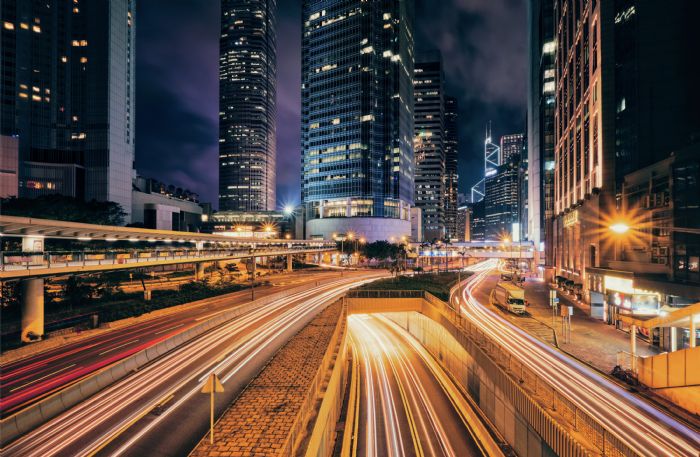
[370, 228]
[676, 375]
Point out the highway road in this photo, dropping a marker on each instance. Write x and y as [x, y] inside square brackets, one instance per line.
[27, 380]
[407, 404]
[647, 430]
[119, 420]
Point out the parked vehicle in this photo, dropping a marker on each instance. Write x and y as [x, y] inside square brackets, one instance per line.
[509, 297]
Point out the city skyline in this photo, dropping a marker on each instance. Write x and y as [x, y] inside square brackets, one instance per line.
[180, 38]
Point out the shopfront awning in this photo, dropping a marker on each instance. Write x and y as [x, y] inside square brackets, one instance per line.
[678, 318]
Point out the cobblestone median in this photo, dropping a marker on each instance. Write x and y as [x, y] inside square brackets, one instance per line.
[269, 417]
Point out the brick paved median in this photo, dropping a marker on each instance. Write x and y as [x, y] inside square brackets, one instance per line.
[270, 416]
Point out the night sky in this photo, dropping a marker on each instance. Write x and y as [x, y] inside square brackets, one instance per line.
[483, 43]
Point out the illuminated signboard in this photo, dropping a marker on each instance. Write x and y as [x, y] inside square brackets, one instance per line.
[570, 218]
[637, 304]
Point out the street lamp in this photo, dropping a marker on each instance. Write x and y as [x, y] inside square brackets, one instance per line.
[620, 228]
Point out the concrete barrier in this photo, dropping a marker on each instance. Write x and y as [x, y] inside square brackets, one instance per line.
[50, 407]
[323, 435]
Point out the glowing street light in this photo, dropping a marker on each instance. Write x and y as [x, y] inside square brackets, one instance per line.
[620, 228]
[288, 209]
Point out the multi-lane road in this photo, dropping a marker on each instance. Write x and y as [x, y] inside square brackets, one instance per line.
[27, 380]
[120, 419]
[648, 431]
[408, 406]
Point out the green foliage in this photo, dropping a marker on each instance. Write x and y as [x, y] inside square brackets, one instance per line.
[381, 250]
[62, 208]
[436, 284]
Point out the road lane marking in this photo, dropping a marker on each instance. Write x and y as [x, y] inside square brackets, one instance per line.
[171, 328]
[43, 377]
[117, 347]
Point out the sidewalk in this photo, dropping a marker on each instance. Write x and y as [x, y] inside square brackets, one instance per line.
[592, 340]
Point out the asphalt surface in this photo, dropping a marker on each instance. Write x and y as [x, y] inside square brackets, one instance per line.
[120, 421]
[405, 410]
[27, 380]
[645, 429]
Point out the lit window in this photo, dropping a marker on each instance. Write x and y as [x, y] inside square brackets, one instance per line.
[9, 25]
[23, 95]
[36, 29]
[35, 89]
[64, 59]
[76, 10]
[23, 86]
[367, 117]
[83, 60]
[366, 50]
[336, 121]
[36, 98]
[24, 26]
[549, 47]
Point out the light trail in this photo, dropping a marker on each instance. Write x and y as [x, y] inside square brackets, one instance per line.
[94, 421]
[431, 419]
[640, 426]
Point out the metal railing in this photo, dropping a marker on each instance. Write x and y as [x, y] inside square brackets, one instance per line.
[547, 396]
[12, 261]
[385, 294]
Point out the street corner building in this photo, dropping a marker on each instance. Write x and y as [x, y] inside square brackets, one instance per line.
[357, 118]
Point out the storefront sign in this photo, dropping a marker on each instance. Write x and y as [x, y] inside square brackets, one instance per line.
[635, 304]
[570, 218]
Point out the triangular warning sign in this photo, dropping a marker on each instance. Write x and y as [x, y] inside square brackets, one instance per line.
[212, 384]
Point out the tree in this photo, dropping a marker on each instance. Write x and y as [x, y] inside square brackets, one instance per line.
[63, 208]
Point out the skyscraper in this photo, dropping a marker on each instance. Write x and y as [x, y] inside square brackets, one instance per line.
[511, 146]
[429, 144]
[68, 96]
[451, 166]
[247, 105]
[357, 117]
[501, 202]
[540, 125]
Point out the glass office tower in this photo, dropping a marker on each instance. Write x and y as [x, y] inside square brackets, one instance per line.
[247, 105]
[68, 96]
[429, 143]
[357, 118]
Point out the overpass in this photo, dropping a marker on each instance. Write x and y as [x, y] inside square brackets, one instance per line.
[111, 248]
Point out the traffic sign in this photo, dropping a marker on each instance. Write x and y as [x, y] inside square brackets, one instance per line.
[212, 385]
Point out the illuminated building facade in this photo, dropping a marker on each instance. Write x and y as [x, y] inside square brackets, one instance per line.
[357, 118]
[626, 97]
[68, 96]
[247, 105]
[451, 166]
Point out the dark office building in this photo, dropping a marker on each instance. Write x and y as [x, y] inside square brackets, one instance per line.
[540, 125]
[451, 144]
[429, 144]
[501, 202]
[247, 106]
[357, 118]
[511, 146]
[68, 96]
[477, 221]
